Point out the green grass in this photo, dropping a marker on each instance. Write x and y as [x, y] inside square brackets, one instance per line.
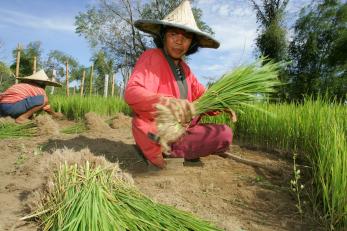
[77, 128]
[13, 130]
[317, 130]
[86, 197]
[75, 107]
[240, 87]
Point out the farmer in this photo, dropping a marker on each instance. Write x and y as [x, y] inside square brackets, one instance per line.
[22, 100]
[161, 76]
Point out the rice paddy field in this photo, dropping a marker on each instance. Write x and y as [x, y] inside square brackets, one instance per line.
[307, 141]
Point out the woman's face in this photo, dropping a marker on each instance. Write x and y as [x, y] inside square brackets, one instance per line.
[177, 42]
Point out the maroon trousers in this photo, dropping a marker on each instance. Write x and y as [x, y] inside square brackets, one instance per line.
[202, 140]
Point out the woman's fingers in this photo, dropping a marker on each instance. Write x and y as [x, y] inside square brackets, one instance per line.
[233, 116]
[187, 111]
[177, 110]
[182, 110]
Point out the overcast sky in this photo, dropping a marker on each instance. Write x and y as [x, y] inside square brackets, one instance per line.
[52, 23]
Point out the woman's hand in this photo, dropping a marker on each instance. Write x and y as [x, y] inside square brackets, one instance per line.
[232, 115]
[182, 110]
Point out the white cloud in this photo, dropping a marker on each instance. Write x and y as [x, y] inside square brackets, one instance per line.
[234, 24]
[26, 20]
[221, 9]
[213, 68]
[233, 36]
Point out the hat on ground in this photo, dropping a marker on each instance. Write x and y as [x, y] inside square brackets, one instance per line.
[182, 17]
[41, 76]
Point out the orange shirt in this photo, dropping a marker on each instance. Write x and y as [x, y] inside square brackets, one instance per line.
[20, 91]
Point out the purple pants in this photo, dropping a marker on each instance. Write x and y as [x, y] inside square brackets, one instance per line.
[202, 140]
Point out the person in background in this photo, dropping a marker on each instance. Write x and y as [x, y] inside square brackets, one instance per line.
[22, 100]
[161, 76]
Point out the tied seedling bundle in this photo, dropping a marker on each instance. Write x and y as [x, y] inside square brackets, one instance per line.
[94, 197]
[9, 129]
[241, 87]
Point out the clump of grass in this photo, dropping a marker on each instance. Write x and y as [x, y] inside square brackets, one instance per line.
[75, 107]
[241, 87]
[13, 130]
[296, 185]
[77, 128]
[94, 197]
[317, 131]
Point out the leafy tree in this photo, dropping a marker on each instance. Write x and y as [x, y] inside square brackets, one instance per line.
[271, 41]
[33, 49]
[7, 78]
[109, 25]
[338, 56]
[56, 60]
[103, 66]
[318, 62]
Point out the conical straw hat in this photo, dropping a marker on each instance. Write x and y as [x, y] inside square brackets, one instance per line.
[41, 76]
[182, 17]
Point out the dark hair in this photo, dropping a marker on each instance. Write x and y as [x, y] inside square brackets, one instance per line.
[159, 41]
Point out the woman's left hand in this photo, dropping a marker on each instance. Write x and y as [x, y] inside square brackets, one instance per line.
[232, 115]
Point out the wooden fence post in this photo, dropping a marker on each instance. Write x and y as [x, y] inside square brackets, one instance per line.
[67, 79]
[91, 80]
[34, 65]
[19, 47]
[106, 86]
[112, 87]
[82, 84]
[54, 75]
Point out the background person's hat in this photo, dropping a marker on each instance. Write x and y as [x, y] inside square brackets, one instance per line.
[182, 17]
[41, 76]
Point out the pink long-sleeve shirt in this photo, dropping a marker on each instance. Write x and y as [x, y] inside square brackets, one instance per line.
[152, 78]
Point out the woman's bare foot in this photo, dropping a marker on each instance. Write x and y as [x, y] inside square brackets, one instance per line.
[22, 120]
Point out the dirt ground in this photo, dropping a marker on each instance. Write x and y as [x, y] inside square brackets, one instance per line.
[232, 195]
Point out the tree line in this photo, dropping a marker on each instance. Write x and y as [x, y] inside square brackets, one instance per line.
[315, 52]
[316, 55]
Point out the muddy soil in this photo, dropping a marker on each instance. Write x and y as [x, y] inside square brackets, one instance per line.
[232, 195]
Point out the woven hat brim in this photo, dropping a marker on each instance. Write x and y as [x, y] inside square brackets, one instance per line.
[46, 82]
[153, 27]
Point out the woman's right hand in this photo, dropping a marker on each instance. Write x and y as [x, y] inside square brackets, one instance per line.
[183, 110]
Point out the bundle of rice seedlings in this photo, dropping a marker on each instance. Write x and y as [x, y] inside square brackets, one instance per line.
[46, 125]
[77, 128]
[241, 87]
[9, 129]
[94, 197]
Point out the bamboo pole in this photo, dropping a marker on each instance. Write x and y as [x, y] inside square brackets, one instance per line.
[19, 47]
[82, 84]
[67, 79]
[74, 90]
[91, 80]
[34, 65]
[112, 87]
[106, 86]
[54, 75]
